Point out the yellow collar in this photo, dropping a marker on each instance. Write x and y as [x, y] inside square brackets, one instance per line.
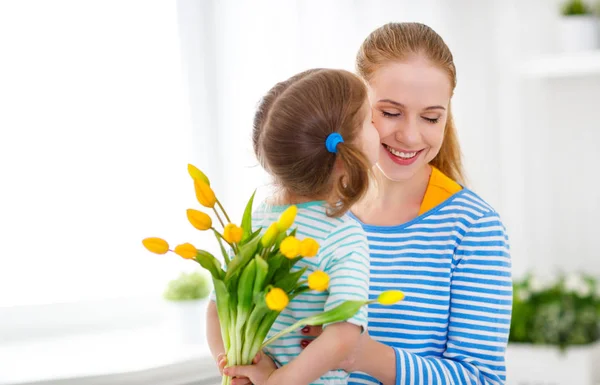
[439, 189]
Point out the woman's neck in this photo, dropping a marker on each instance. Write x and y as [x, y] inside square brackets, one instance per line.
[390, 202]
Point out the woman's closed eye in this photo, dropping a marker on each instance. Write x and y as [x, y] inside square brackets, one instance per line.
[431, 120]
[389, 114]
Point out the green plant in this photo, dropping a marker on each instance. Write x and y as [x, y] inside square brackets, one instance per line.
[188, 286]
[562, 312]
[575, 8]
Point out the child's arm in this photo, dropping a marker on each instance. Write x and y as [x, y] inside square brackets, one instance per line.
[213, 331]
[322, 355]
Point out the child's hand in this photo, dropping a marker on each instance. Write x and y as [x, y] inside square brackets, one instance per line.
[221, 362]
[257, 374]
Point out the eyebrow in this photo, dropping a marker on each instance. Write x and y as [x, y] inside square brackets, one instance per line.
[402, 105]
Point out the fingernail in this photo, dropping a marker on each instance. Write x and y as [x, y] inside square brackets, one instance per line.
[226, 371]
[305, 329]
[304, 343]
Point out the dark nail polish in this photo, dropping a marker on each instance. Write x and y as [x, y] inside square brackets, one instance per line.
[305, 329]
[304, 343]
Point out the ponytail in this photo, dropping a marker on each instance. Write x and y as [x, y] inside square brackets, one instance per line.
[352, 185]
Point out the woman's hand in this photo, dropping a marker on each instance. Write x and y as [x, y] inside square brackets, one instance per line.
[258, 373]
[350, 363]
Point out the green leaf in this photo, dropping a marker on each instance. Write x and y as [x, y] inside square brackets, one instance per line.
[290, 280]
[262, 270]
[251, 237]
[223, 310]
[299, 290]
[244, 254]
[275, 262]
[223, 251]
[210, 263]
[246, 285]
[247, 218]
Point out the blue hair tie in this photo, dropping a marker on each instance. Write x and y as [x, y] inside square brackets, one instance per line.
[332, 141]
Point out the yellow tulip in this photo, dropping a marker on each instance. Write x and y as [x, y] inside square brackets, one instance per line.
[290, 247]
[232, 233]
[277, 299]
[204, 194]
[269, 236]
[390, 297]
[287, 218]
[309, 247]
[186, 250]
[195, 173]
[156, 245]
[318, 281]
[199, 220]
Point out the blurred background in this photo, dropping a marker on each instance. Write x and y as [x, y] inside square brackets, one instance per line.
[103, 104]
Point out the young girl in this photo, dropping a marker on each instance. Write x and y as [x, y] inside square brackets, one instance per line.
[313, 134]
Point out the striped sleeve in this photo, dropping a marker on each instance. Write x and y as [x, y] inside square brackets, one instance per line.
[480, 312]
[346, 262]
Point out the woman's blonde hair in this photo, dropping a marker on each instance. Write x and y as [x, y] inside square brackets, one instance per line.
[399, 41]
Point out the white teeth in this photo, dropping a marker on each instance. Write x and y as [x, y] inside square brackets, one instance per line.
[404, 155]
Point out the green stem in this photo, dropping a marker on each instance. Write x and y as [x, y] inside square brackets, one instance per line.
[256, 318]
[219, 217]
[285, 331]
[226, 380]
[223, 210]
[223, 251]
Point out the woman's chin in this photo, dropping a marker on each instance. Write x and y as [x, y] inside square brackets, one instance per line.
[397, 173]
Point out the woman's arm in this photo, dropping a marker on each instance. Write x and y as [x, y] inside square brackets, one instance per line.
[478, 323]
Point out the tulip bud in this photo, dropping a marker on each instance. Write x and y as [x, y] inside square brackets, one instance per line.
[318, 281]
[309, 247]
[199, 220]
[204, 194]
[277, 299]
[290, 247]
[156, 245]
[232, 233]
[186, 250]
[286, 219]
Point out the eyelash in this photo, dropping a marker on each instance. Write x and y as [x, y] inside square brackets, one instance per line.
[388, 115]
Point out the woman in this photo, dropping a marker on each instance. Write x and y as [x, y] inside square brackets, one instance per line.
[428, 235]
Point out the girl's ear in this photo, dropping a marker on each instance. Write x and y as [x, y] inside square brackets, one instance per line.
[339, 170]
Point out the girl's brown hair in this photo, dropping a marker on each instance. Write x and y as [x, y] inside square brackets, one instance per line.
[399, 41]
[291, 125]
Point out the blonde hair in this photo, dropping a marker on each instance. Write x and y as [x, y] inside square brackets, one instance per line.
[399, 41]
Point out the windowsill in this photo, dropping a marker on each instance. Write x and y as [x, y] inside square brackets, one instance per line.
[140, 356]
[153, 354]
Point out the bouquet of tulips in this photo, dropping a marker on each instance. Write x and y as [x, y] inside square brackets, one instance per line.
[259, 278]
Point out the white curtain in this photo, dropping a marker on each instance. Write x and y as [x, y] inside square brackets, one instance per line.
[94, 141]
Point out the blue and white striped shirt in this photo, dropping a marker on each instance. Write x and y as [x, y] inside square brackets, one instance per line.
[453, 264]
[343, 255]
